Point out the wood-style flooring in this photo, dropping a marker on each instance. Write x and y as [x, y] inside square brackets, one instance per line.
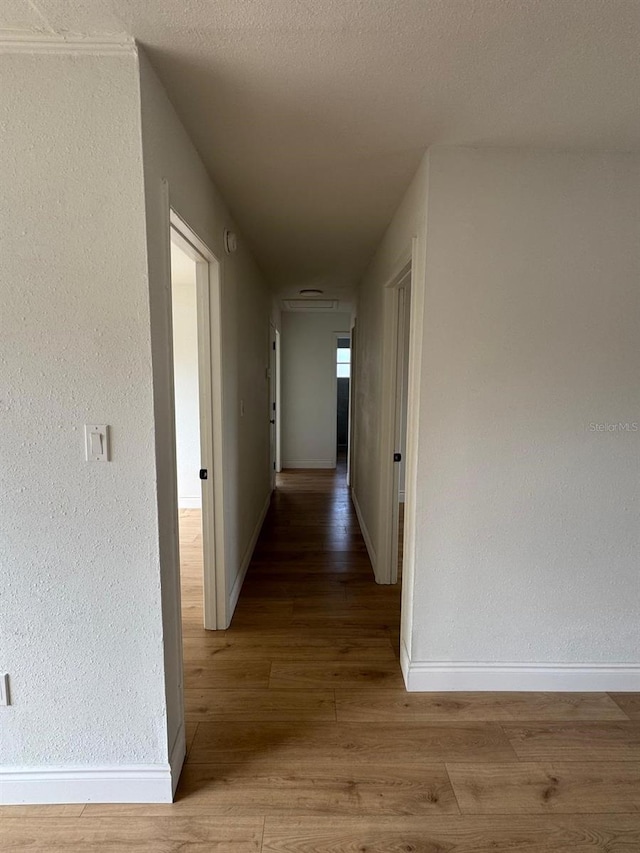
[302, 739]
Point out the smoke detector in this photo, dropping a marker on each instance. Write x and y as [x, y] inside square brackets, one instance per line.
[230, 242]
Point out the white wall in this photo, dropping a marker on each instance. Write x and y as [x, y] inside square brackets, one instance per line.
[308, 396]
[186, 384]
[393, 253]
[170, 157]
[90, 583]
[527, 540]
[532, 544]
[80, 610]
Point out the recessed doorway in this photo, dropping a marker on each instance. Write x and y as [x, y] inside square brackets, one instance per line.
[195, 320]
[343, 381]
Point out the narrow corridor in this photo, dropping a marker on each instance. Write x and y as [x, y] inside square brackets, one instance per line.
[310, 617]
[302, 739]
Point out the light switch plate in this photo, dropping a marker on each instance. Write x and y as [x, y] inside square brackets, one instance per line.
[5, 698]
[96, 438]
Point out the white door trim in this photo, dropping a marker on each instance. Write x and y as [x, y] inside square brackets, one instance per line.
[278, 404]
[274, 414]
[338, 336]
[208, 293]
[387, 556]
[351, 479]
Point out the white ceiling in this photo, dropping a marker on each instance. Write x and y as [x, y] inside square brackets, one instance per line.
[312, 115]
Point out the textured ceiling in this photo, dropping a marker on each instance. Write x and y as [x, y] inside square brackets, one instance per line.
[312, 115]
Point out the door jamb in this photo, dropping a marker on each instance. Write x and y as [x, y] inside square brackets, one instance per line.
[208, 295]
[351, 479]
[386, 565]
[278, 408]
[274, 413]
[337, 336]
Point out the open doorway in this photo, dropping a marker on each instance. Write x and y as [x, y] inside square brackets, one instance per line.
[395, 385]
[198, 426]
[186, 392]
[400, 430]
[343, 381]
[274, 414]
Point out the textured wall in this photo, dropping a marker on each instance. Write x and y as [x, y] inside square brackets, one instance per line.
[309, 394]
[170, 156]
[408, 222]
[527, 528]
[529, 543]
[81, 633]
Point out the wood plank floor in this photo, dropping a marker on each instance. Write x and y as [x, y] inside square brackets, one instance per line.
[302, 739]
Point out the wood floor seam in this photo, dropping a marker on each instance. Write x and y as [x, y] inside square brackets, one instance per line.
[453, 787]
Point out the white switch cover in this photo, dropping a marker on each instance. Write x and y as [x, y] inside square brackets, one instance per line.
[97, 442]
[5, 699]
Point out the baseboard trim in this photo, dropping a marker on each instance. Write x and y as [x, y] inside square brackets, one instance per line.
[234, 595]
[142, 783]
[436, 676]
[310, 463]
[190, 503]
[365, 531]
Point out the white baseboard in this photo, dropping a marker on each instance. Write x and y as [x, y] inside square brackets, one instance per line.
[311, 463]
[442, 676]
[234, 595]
[190, 503]
[142, 783]
[365, 532]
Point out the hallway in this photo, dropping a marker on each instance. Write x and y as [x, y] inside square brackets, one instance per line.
[310, 615]
[298, 714]
[301, 736]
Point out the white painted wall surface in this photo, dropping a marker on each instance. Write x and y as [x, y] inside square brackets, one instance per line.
[308, 396]
[80, 609]
[394, 250]
[529, 544]
[169, 155]
[186, 387]
[527, 535]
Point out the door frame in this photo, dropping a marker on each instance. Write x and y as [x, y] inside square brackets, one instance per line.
[352, 408]
[273, 404]
[208, 301]
[278, 402]
[338, 336]
[386, 569]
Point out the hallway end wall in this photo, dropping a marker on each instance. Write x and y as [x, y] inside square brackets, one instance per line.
[309, 391]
